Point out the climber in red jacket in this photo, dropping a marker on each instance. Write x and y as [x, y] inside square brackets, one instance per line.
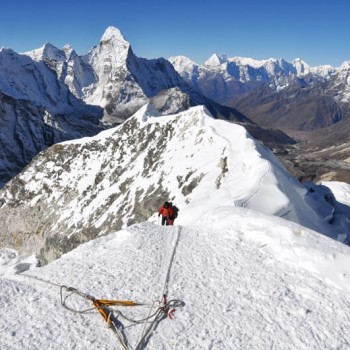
[167, 213]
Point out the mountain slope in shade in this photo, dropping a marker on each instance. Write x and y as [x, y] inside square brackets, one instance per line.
[27, 129]
[82, 189]
[23, 78]
[37, 110]
[244, 280]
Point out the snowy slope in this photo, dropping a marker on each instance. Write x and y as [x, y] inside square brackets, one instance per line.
[85, 188]
[245, 281]
[341, 191]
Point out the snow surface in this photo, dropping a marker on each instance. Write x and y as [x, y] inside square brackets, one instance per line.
[246, 280]
[341, 191]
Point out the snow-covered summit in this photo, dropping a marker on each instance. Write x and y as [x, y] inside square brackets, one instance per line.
[216, 60]
[183, 64]
[114, 34]
[345, 65]
[113, 48]
[69, 52]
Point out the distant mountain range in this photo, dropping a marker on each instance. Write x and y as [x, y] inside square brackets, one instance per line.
[50, 95]
[274, 92]
[112, 77]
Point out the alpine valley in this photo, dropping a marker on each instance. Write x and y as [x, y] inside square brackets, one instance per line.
[91, 146]
[310, 104]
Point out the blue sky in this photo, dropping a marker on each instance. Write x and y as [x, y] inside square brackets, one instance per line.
[316, 31]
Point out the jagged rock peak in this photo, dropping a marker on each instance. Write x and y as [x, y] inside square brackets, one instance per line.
[69, 51]
[113, 48]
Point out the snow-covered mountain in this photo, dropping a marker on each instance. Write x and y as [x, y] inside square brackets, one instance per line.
[37, 110]
[110, 77]
[27, 129]
[70, 67]
[25, 79]
[81, 189]
[221, 77]
[241, 280]
[114, 78]
[274, 91]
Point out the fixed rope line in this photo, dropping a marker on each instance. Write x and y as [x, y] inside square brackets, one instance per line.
[168, 307]
[171, 260]
[260, 185]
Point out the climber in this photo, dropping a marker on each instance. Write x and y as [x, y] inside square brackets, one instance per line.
[166, 211]
[173, 215]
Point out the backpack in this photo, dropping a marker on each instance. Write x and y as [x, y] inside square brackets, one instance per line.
[175, 210]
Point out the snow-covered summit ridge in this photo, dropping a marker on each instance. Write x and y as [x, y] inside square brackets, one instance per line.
[120, 177]
[47, 51]
[246, 69]
[218, 60]
[42, 88]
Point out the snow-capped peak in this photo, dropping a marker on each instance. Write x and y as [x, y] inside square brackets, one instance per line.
[216, 60]
[113, 50]
[47, 51]
[114, 34]
[246, 61]
[182, 62]
[300, 66]
[345, 65]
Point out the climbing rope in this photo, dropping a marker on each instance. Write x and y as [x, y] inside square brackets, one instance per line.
[102, 306]
[158, 310]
